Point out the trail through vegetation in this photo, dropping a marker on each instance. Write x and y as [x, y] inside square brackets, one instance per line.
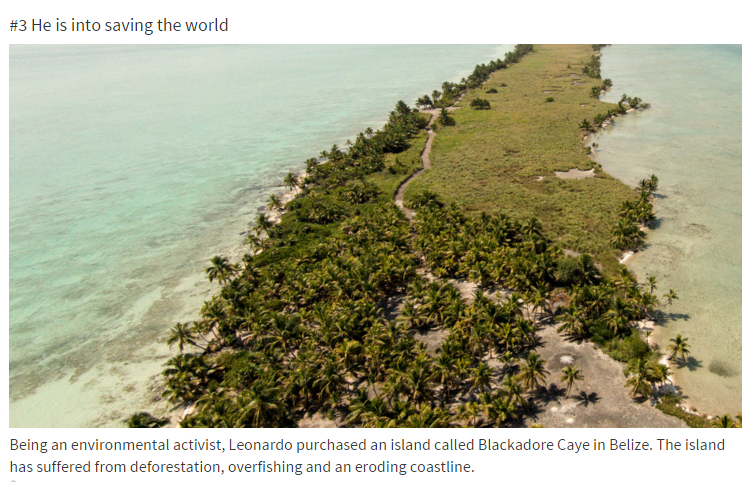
[326, 321]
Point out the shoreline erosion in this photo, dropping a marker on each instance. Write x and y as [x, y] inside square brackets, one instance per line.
[296, 205]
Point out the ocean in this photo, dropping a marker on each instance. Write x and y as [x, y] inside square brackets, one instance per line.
[691, 138]
[131, 166]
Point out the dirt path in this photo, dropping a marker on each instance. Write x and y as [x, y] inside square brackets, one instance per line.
[600, 400]
[426, 162]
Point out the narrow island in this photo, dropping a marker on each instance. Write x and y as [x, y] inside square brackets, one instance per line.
[461, 266]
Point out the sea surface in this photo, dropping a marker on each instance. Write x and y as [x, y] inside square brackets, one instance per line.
[691, 138]
[131, 166]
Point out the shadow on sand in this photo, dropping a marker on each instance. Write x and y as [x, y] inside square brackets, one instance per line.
[586, 399]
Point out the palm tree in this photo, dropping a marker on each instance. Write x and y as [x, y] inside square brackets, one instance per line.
[651, 284]
[291, 181]
[531, 227]
[311, 165]
[662, 373]
[418, 381]
[573, 322]
[482, 376]
[533, 371]
[678, 346]
[445, 119]
[181, 334]
[221, 269]
[263, 223]
[274, 202]
[537, 298]
[639, 381]
[725, 421]
[468, 412]
[671, 295]
[570, 375]
[514, 391]
[255, 242]
[262, 406]
[644, 185]
[501, 410]
[619, 315]
[445, 373]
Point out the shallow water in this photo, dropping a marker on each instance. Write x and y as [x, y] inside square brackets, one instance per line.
[131, 166]
[691, 138]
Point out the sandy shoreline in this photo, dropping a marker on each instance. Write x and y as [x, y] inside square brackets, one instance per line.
[648, 326]
[600, 376]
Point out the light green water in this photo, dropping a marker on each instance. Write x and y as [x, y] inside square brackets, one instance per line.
[691, 138]
[131, 166]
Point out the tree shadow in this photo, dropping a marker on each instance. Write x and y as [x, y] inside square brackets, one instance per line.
[675, 316]
[533, 410]
[537, 342]
[575, 339]
[391, 307]
[546, 319]
[691, 363]
[586, 399]
[661, 318]
[552, 393]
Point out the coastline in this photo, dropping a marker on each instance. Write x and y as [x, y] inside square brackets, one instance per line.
[312, 202]
[647, 326]
[195, 189]
[694, 249]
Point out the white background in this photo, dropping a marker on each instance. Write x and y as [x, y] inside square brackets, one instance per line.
[399, 22]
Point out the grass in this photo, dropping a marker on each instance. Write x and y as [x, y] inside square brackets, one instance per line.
[491, 159]
[410, 160]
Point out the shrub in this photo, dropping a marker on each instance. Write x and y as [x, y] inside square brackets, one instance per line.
[550, 99]
[445, 119]
[669, 405]
[480, 104]
[578, 270]
[145, 420]
[491, 91]
[360, 193]
[633, 347]
[427, 198]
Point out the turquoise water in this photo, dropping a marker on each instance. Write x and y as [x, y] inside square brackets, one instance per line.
[691, 138]
[131, 166]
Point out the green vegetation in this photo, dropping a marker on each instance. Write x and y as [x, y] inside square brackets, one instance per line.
[326, 313]
[678, 348]
[145, 420]
[480, 104]
[670, 404]
[444, 118]
[635, 215]
[570, 375]
[490, 161]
